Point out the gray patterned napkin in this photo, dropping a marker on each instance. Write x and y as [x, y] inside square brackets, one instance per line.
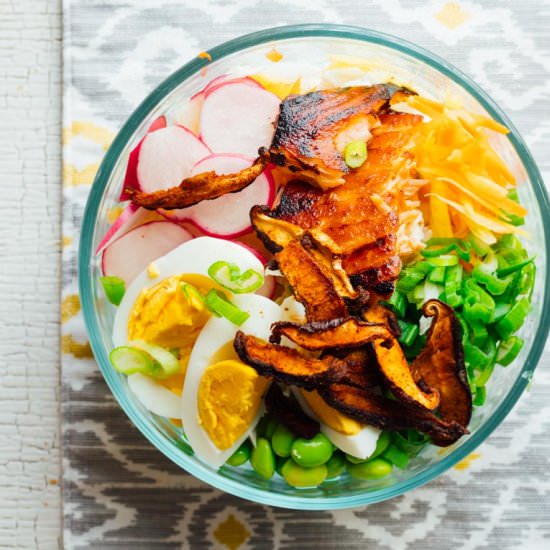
[119, 491]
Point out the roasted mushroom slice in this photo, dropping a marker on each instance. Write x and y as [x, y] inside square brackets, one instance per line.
[310, 283]
[387, 414]
[440, 364]
[336, 333]
[395, 368]
[289, 366]
[275, 234]
[289, 413]
[190, 191]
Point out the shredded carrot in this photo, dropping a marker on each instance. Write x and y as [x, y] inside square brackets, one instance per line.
[469, 181]
[205, 55]
[274, 55]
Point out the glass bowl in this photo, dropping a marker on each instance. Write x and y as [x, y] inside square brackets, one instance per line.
[390, 57]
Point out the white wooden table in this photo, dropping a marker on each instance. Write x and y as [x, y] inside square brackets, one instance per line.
[30, 161]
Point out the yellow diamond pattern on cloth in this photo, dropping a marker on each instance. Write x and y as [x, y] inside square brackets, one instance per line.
[67, 241]
[97, 134]
[231, 533]
[70, 306]
[465, 463]
[79, 350]
[74, 176]
[452, 15]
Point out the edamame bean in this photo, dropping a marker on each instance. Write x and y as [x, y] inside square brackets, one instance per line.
[311, 452]
[266, 426]
[241, 455]
[270, 428]
[263, 459]
[279, 463]
[373, 469]
[297, 476]
[335, 465]
[282, 440]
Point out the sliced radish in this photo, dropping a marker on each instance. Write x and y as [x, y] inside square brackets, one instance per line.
[131, 177]
[130, 217]
[157, 124]
[133, 252]
[237, 117]
[167, 156]
[189, 112]
[162, 159]
[224, 79]
[227, 216]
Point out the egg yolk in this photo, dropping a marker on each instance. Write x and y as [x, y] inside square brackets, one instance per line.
[162, 315]
[229, 398]
[330, 416]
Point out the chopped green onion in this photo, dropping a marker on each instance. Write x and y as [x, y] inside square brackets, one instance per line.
[513, 320]
[480, 395]
[144, 358]
[445, 260]
[396, 456]
[502, 272]
[355, 153]
[409, 332]
[128, 360]
[513, 219]
[475, 356]
[193, 295]
[483, 377]
[397, 303]
[501, 309]
[229, 276]
[168, 364]
[528, 279]
[493, 284]
[508, 350]
[478, 333]
[220, 305]
[438, 251]
[478, 246]
[410, 441]
[437, 275]
[408, 280]
[509, 241]
[114, 288]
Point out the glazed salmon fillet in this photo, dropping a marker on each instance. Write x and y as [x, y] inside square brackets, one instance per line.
[357, 218]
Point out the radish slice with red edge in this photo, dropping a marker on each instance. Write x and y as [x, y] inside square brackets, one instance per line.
[163, 159]
[130, 217]
[270, 283]
[227, 216]
[237, 117]
[131, 177]
[189, 112]
[130, 254]
[157, 124]
[224, 79]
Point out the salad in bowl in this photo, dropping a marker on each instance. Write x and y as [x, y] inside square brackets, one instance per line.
[315, 270]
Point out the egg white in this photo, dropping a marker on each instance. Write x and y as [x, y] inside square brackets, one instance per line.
[360, 445]
[153, 396]
[192, 257]
[217, 332]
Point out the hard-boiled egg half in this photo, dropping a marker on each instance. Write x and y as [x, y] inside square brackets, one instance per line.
[155, 310]
[222, 396]
[350, 436]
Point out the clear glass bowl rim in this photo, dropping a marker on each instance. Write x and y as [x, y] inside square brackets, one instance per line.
[85, 254]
